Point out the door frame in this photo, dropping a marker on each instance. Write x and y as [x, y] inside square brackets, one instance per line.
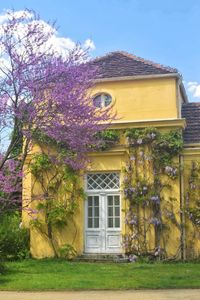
[102, 229]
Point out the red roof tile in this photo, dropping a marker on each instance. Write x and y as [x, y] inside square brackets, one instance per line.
[122, 64]
[191, 111]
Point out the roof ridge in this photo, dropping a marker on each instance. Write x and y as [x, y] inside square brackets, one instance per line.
[138, 58]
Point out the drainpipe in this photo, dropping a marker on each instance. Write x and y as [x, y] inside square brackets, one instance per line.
[182, 211]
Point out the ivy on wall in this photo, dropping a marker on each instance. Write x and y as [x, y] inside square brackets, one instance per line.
[107, 139]
[150, 176]
[192, 208]
[55, 206]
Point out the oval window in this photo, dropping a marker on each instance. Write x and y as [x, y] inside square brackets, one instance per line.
[102, 100]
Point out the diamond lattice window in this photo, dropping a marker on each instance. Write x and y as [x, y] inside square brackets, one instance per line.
[103, 181]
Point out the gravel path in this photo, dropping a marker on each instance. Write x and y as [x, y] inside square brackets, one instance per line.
[187, 294]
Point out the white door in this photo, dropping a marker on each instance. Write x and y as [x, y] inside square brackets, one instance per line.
[102, 214]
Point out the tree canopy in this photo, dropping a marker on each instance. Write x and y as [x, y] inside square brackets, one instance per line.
[42, 91]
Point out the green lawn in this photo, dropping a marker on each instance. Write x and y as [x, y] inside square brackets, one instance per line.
[62, 275]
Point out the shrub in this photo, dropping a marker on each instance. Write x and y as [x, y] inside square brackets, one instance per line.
[67, 251]
[2, 268]
[14, 240]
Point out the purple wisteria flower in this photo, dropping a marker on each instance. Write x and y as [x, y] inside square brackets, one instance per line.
[129, 192]
[155, 221]
[170, 171]
[155, 199]
[133, 220]
[132, 157]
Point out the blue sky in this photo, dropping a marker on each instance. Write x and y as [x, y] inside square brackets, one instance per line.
[164, 31]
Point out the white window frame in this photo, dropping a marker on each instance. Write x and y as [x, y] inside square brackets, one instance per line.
[102, 100]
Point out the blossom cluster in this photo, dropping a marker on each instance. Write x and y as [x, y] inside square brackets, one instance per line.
[171, 171]
[155, 221]
[136, 191]
[155, 199]
[143, 139]
[131, 219]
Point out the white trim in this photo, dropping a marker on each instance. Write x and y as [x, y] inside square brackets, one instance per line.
[149, 120]
[154, 122]
[104, 236]
[102, 233]
[138, 77]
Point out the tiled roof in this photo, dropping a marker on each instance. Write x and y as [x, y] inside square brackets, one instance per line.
[122, 64]
[191, 112]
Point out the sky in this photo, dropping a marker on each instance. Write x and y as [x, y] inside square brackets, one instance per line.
[166, 31]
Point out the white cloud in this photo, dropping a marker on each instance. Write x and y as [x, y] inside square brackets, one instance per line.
[59, 43]
[17, 14]
[193, 87]
[3, 18]
[89, 44]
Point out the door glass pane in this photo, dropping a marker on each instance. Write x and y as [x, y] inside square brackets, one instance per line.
[110, 222]
[116, 200]
[96, 211]
[89, 211]
[93, 211]
[96, 222]
[89, 222]
[117, 211]
[89, 201]
[96, 201]
[113, 211]
[110, 200]
[117, 222]
[110, 211]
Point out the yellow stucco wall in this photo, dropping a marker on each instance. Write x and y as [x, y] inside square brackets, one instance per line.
[148, 99]
[191, 234]
[136, 100]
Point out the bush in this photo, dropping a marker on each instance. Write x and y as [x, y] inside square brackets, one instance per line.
[2, 268]
[14, 240]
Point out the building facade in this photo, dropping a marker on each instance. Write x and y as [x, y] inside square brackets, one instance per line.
[144, 95]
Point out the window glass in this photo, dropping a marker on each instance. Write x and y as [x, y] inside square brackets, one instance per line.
[102, 100]
[93, 212]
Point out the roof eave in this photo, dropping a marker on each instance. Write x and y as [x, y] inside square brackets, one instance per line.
[138, 77]
[183, 91]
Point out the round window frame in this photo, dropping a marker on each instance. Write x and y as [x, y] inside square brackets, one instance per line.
[104, 93]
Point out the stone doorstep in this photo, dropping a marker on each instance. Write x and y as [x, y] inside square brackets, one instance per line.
[117, 258]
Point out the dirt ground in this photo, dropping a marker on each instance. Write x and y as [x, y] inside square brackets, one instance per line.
[189, 294]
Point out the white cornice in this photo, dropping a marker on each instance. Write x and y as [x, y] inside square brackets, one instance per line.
[138, 77]
[153, 123]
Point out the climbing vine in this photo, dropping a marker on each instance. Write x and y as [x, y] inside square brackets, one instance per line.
[192, 209]
[151, 175]
[107, 139]
[60, 188]
[55, 205]
[148, 187]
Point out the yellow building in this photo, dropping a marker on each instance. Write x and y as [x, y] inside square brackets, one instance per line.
[144, 95]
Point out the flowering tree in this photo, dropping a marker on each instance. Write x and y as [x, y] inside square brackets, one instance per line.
[42, 92]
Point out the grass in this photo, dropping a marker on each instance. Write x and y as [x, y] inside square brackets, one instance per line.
[62, 275]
